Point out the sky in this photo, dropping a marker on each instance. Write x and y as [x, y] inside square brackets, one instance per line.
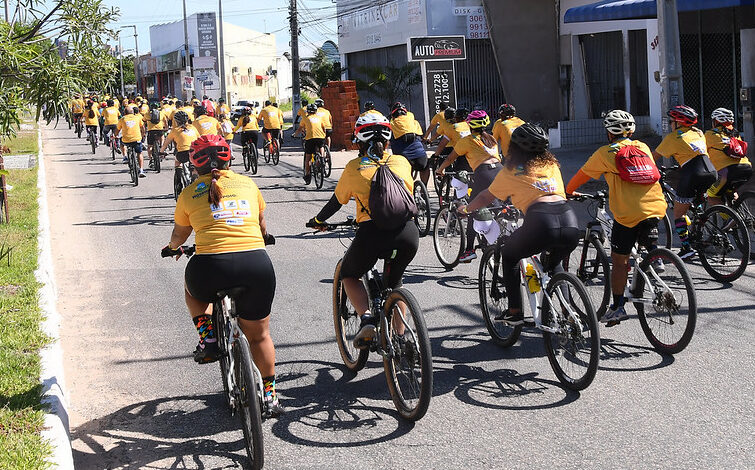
[316, 17]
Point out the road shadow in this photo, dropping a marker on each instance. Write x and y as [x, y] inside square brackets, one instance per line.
[99, 185]
[159, 220]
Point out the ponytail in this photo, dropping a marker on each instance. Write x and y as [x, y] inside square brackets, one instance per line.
[214, 195]
[487, 139]
[91, 111]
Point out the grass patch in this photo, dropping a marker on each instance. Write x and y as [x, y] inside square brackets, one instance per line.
[24, 142]
[21, 414]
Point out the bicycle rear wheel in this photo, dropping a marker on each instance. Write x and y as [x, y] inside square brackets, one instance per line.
[493, 299]
[665, 232]
[253, 162]
[93, 141]
[276, 154]
[248, 401]
[574, 351]
[592, 266]
[668, 313]
[347, 323]
[448, 238]
[328, 162]
[178, 181]
[423, 219]
[224, 357]
[409, 371]
[156, 158]
[133, 167]
[266, 153]
[318, 172]
[745, 207]
[722, 243]
[247, 157]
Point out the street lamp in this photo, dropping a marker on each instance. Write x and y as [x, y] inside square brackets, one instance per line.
[136, 48]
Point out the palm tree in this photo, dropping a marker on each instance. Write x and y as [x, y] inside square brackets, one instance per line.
[321, 71]
[391, 83]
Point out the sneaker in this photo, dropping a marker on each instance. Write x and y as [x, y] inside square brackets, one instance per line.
[467, 256]
[307, 178]
[687, 253]
[658, 266]
[614, 315]
[273, 408]
[511, 318]
[142, 174]
[124, 161]
[206, 352]
[367, 333]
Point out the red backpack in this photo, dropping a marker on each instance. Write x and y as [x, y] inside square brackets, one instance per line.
[635, 166]
[737, 148]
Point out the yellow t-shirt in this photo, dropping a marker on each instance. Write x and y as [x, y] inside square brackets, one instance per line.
[438, 119]
[314, 127]
[252, 125]
[183, 137]
[160, 126]
[233, 225]
[93, 121]
[683, 144]
[116, 103]
[356, 179]
[224, 109]
[475, 150]
[130, 127]
[371, 111]
[111, 114]
[630, 203]
[144, 110]
[228, 136]
[187, 109]
[716, 140]
[302, 112]
[524, 189]
[454, 132]
[270, 117]
[77, 106]
[207, 125]
[502, 131]
[326, 117]
[403, 125]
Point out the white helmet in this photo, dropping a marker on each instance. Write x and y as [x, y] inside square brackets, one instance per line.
[618, 122]
[722, 115]
[372, 126]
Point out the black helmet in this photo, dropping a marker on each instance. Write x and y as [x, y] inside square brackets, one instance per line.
[319, 102]
[369, 105]
[311, 108]
[304, 102]
[461, 114]
[199, 110]
[153, 105]
[448, 114]
[398, 109]
[530, 138]
[181, 118]
[507, 110]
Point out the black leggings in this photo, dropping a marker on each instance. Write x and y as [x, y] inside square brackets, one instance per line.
[548, 226]
[250, 136]
[483, 177]
[371, 244]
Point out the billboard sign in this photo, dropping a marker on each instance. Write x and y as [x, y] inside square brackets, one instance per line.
[437, 48]
[207, 34]
[440, 84]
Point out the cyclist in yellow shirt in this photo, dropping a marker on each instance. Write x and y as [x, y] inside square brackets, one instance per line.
[250, 130]
[182, 135]
[112, 115]
[504, 126]
[77, 108]
[733, 168]
[435, 124]
[313, 128]
[205, 124]
[91, 120]
[406, 140]
[327, 119]
[157, 123]
[131, 129]
[223, 108]
[369, 108]
[455, 129]
[636, 207]
[271, 122]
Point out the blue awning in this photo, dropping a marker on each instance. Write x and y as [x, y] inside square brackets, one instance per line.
[640, 9]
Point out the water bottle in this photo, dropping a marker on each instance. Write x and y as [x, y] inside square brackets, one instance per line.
[533, 283]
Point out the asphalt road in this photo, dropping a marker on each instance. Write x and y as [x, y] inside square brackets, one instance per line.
[139, 401]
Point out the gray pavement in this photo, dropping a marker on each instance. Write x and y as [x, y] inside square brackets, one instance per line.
[139, 401]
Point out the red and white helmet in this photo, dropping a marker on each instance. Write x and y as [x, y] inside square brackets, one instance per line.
[372, 126]
[684, 115]
[209, 150]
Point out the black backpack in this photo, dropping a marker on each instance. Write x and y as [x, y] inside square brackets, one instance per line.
[391, 205]
[154, 116]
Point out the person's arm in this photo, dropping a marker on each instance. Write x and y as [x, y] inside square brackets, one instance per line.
[263, 224]
[447, 162]
[482, 200]
[166, 142]
[179, 236]
[577, 180]
[330, 209]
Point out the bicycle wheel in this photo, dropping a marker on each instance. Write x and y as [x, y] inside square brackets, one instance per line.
[328, 164]
[574, 349]
[318, 172]
[409, 371]
[592, 266]
[178, 185]
[424, 216]
[665, 232]
[112, 149]
[156, 158]
[93, 141]
[247, 157]
[78, 130]
[133, 167]
[347, 323]
[253, 162]
[224, 357]
[722, 243]
[249, 401]
[266, 153]
[493, 299]
[667, 307]
[448, 238]
[745, 207]
[276, 154]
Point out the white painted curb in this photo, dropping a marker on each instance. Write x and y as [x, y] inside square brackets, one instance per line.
[51, 377]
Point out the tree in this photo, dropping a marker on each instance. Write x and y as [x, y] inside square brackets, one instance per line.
[47, 55]
[321, 71]
[391, 83]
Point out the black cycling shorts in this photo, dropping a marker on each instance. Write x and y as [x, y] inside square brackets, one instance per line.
[623, 238]
[154, 136]
[250, 136]
[397, 247]
[137, 146]
[730, 178]
[273, 132]
[419, 164]
[207, 274]
[695, 177]
[311, 146]
[93, 129]
[182, 157]
[110, 128]
[328, 132]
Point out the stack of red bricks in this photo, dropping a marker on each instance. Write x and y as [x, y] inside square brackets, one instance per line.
[342, 101]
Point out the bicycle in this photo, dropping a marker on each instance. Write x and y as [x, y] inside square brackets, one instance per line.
[133, 165]
[250, 157]
[717, 233]
[242, 381]
[592, 263]
[183, 175]
[562, 312]
[317, 168]
[78, 127]
[155, 156]
[92, 138]
[402, 338]
[115, 146]
[424, 216]
[449, 233]
[744, 205]
[662, 282]
[271, 150]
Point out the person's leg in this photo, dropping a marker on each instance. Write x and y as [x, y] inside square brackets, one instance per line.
[261, 344]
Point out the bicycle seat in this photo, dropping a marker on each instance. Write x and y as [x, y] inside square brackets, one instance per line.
[233, 292]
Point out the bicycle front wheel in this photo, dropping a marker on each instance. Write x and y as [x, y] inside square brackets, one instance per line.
[745, 207]
[448, 238]
[409, 370]
[266, 153]
[347, 323]
[249, 401]
[723, 243]
[592, 266]
[423, 218]
[328, 162]
[574, 348]
[493, 299]
[93, 141]
[667, 306]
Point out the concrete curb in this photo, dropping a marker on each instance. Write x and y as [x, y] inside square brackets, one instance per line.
[51, 377]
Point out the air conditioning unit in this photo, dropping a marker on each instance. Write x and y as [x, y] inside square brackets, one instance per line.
[249, 71]
[234, 70]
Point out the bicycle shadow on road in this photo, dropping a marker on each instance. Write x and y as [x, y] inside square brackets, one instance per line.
[151, 219]
[170, 432]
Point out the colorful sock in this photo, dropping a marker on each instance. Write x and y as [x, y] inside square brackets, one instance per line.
[269, 385]
[682, 230]
[205, 329]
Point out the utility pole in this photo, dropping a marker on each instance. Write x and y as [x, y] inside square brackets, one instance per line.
[186, 50]
[295, 80]
[120, 54]
[221, 51]
[671, 58]
[136, 61]
[6, 11]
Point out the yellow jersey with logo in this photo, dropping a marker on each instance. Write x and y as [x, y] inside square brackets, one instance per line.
[252, 125]
[523, 188]
[455, 132]
[314, 127]
[230, 226]
[502, 130]
[630, 203]
[716, 139]
[371, 111]
[270, 117]
[475, 150]
[683, 145]
[356, 179]
[207, 125]
[94, 120]
[183, 137]
[130, 127]
[161, 125]
[111, 115]
[77, 106]
[326, 117]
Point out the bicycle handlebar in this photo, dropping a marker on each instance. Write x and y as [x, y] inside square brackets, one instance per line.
[599, 196]
[181, 250]
[332, 226]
